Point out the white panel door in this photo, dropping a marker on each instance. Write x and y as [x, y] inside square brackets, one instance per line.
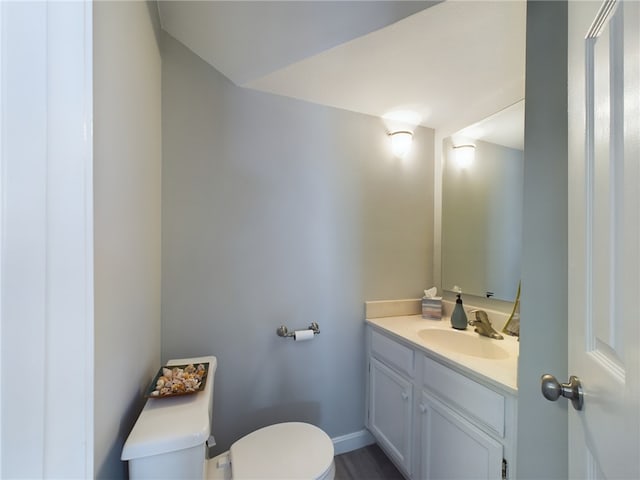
[46, 240]
[604, 240]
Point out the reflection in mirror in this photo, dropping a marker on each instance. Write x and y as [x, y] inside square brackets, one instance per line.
[482, 188]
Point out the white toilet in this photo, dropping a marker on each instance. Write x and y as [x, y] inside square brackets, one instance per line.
[170, 437]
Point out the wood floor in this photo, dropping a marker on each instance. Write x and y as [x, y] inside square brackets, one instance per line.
[368, 463]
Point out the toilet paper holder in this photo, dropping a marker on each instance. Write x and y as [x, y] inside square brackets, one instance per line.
[283, 331]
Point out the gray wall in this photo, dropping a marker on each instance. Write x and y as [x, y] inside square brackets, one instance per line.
[542, 425]
[127, 182]
[277, 211]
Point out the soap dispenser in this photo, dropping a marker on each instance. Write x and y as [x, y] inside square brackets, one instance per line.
[458, 317]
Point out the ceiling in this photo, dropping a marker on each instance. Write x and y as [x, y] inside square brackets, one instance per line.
[441, 65]
[505, 127]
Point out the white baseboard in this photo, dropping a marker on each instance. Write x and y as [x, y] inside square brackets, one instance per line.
[352, 441]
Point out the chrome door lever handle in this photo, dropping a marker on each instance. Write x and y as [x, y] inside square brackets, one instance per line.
[552, 390]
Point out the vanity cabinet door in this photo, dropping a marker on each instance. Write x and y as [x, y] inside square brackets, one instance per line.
[390, 407]
[452, 447]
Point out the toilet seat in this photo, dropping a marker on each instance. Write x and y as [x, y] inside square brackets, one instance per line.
[290, 450]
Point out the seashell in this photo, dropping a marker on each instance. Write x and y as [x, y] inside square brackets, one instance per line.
[176, 380]
[178, 388]
[190, 383]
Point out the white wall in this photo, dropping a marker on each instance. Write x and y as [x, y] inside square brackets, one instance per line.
[542, 425]
[127, 183]
[277, 211]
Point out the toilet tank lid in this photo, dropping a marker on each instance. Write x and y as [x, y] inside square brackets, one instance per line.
[172, 424]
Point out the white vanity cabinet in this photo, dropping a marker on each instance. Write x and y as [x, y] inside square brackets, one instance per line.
[452, 447]
[391, 398]
[436, 421]
[462, 425]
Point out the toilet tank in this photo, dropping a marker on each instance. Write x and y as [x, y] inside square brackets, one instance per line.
[169, 438]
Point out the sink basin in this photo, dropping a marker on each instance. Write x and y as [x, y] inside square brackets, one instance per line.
[459, 342]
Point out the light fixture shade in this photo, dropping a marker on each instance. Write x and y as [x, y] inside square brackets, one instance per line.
[401, 142]
[464, 155]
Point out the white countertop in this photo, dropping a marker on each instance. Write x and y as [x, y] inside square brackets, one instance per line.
[500, 372]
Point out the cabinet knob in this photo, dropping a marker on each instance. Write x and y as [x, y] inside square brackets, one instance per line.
[423, 408]
[405, 396]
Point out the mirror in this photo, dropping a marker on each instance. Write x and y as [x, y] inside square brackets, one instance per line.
[482, 189]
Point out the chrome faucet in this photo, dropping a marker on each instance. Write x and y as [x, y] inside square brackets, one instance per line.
[483, 325]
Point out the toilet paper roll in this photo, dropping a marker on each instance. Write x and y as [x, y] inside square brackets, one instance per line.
[302, 335]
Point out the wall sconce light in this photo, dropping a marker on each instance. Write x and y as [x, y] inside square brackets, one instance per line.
[401, 142]
[464, 155]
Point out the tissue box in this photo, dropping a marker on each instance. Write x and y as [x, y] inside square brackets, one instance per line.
[432, 308]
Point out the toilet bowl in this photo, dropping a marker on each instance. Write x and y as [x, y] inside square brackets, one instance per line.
[170, 438]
